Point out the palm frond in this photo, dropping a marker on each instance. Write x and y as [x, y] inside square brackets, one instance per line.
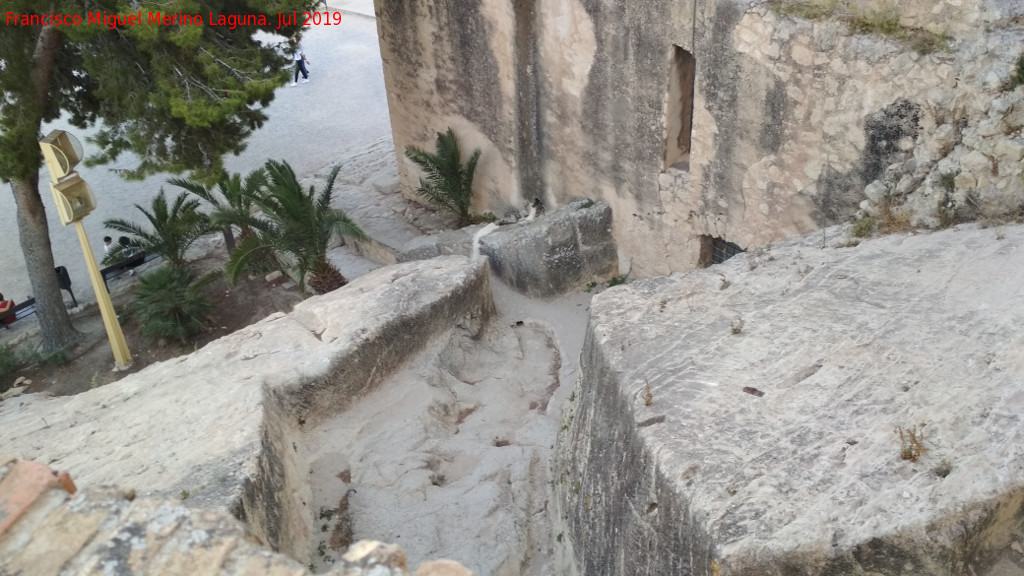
[447, 183]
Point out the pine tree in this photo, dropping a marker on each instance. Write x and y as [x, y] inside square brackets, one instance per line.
[178, 96]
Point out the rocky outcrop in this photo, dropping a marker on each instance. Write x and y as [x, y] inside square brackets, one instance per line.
[247, 396]
[805, 409]
[556, 252]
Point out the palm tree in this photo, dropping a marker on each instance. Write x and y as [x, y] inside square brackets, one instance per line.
[231, 202]
[174, 228]
[449, 182]
[297, 225]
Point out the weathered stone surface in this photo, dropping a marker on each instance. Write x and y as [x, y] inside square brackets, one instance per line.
[452, 242]
[791, 118]
[744, 419]
[247, 395]
[104, 531]
[556, 252]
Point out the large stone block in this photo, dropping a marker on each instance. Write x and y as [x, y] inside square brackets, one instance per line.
[217, 428]
[556, 252]
[806, 410]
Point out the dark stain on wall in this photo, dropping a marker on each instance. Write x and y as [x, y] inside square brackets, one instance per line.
[623, 103]
[776, 103]
[719, 73]
[468, 78]
[529, 135]
[883, 131]
[837, 200]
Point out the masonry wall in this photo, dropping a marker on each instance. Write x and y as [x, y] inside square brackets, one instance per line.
[791, 118]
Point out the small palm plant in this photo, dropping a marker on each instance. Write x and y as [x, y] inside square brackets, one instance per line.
[170, 305]
[231, 202]
[173, 228]
[297, 226]
[449, 182]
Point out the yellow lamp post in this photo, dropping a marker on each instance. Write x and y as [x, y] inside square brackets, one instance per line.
[75, 201]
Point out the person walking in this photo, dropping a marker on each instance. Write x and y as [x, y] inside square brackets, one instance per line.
[300, 62]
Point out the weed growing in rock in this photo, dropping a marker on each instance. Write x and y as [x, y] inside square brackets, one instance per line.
[1017, 76]
[911, 442]
[590, 287]
[485, 218]
[863, 227]
[805, 10]
[947, 181]
[885, 22]
[648, 397]
[892, 221]
[184, 495]
[618, 280]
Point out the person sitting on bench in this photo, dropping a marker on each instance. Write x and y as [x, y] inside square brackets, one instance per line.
[6, 305]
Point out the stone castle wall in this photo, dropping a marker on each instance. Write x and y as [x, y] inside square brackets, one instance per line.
[792, 118]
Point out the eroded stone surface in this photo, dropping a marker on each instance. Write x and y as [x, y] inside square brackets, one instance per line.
[744, 419]
[111, 531]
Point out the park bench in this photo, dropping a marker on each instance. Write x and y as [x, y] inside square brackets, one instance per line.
[18, 311]
[28, 307]
[126, 265]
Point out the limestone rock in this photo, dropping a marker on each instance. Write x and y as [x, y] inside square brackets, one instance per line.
[452, 242]
[556, 252]
[779, 445]
[52, 532]
[247, 395]
[13, 392]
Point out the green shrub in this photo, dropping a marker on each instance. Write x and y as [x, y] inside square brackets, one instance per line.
[294, 229]
[8, 365]
[884, 22]
[947, 181]
[169, 304]
[863, 227]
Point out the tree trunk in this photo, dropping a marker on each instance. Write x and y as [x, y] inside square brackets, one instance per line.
[325, 277]
[229, 239]
[54, 323]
